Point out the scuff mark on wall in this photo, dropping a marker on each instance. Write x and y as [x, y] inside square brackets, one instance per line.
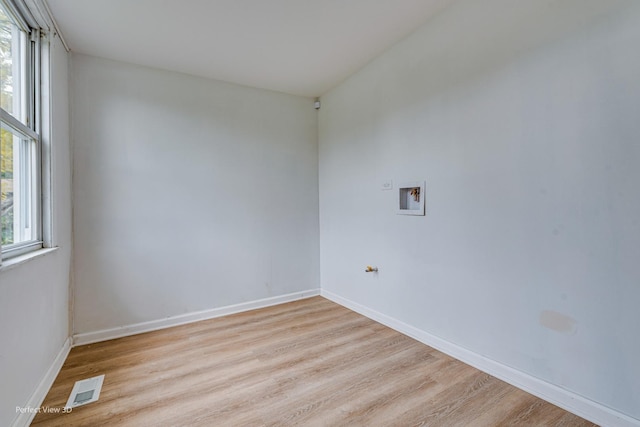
[558, 322]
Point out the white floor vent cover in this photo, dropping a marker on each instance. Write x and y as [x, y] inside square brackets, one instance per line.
[85, 391]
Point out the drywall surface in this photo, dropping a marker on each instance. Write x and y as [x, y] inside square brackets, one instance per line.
[189, 194]
[523, 119]
[34, 296]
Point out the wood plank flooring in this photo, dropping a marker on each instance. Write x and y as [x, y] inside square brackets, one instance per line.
[305, 363]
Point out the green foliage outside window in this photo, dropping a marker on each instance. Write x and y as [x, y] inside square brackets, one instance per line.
[6, 187]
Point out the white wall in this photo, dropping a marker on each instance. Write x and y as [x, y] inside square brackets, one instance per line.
[189, 194]
[34, 313]
[523, 118]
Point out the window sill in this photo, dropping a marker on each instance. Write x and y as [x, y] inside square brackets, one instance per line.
[21, 259]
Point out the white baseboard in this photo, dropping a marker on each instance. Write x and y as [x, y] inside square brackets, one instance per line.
[154, 325]
[572, 402]
[36, 399]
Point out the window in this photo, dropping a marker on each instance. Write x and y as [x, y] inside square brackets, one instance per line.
[20, 149]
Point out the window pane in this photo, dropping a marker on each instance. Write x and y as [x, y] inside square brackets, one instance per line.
[12, 67]
[6, 187]
[17, 186]
[20, 224]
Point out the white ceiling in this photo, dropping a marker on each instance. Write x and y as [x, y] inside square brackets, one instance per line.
[302, 47]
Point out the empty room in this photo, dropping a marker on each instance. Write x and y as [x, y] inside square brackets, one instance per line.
[320, 213]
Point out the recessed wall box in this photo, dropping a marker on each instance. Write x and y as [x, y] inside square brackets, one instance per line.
[411, 198]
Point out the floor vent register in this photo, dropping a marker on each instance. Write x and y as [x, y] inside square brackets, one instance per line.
[85, 391]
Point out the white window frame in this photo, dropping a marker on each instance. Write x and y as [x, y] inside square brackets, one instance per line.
[31, 130]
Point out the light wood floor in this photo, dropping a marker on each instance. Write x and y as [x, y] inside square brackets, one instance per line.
[308, 363]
